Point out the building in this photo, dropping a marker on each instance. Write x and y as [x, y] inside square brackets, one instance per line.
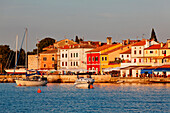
[137, 50]
[49, 60]
[73, 57]
[33, 62]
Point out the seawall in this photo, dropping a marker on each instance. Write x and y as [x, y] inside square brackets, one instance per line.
[97, 78]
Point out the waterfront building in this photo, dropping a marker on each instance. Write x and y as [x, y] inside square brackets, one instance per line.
[49, 60]
[137, 51]
[73, 57]
[33, 62]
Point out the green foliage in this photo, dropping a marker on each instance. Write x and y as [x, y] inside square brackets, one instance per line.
[45, 43]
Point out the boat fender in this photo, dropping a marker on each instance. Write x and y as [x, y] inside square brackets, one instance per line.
[39, 90]
[19, 84]
[91, 87]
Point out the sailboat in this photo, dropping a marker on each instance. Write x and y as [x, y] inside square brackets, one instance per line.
[17, 70]
[33, 80]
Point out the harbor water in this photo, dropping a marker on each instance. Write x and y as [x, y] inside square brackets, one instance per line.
[106, 97]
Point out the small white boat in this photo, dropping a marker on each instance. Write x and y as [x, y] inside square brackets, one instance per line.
[84, 83]
[35, 81]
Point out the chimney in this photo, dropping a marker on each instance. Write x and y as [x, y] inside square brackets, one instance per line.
[168, 41]
[128, 41]
[89, 42]
[109, 40]
[162, 44]
[100, 43]
[55, 40]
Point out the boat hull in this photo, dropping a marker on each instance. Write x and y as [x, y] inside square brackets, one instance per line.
[17, 71]
[30, 83]
[85, 85]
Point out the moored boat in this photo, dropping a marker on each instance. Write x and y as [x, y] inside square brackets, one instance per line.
[84, 83]
[35, 81]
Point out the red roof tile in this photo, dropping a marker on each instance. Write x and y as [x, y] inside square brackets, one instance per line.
[101, 48]
[126, 52]
[155, 46]
[141, 43]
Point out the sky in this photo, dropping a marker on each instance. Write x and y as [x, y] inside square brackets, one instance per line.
[91, 19]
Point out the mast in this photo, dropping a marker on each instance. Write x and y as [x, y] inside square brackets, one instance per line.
[37, 54]
[16, 48]
[26, 49]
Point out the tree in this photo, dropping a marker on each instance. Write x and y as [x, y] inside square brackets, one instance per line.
[45, 43]
[153, 35]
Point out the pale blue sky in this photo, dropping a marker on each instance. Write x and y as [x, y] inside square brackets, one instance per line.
[93, 19]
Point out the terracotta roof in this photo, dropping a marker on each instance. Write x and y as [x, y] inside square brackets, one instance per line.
[155, 46]
[49, 51]
[167, 56]
[126, 52]
[110, 51]
[141, 43]
[165, 66]
[165, 46]
[101, 48]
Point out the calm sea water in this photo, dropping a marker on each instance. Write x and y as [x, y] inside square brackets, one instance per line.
[104, 98]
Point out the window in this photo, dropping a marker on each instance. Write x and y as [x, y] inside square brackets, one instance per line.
[134, 60]
[102, 58]
[150, 60]
[71, 55]
[62, 63]
[135, 47]
[65, 63]
[92, 68]
[146, 60]
[105, 58]
[146, 52]
[139, 60]
[71, 63]
[96, 59]
[92, 58]
[76, 54]
[76, 63]
[66, 55]
[155, 52]
[127, 56]
[135, 52]
[44, 58]
[151, 52]
[140, 52]
[44, 65]
[122, 56]
[52, 58]
[62, 55]
[164, 52]
[89, 59]
[52, 65]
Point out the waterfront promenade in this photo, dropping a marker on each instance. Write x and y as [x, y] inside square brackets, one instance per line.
[97, 78]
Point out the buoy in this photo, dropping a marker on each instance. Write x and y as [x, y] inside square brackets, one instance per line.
[91, 86]
[19, 85]
[39, 91]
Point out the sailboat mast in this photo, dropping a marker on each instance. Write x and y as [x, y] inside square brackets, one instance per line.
[16, 48]
[37, 54]
[26, 51]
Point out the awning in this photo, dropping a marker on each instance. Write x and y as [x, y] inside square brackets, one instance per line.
[149, 71]
[162, 69]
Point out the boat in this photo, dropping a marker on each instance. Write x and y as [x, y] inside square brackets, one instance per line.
[82, 82]
[31, 79]
[18, 70]
[34, 81]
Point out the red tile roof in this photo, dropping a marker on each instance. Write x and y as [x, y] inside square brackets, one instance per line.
[141, 43]
[49, 51]
[101, 48]
[110, 51]
[155, 46]
[126, 52]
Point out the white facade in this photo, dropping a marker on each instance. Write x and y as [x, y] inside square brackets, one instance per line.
[73, 58]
